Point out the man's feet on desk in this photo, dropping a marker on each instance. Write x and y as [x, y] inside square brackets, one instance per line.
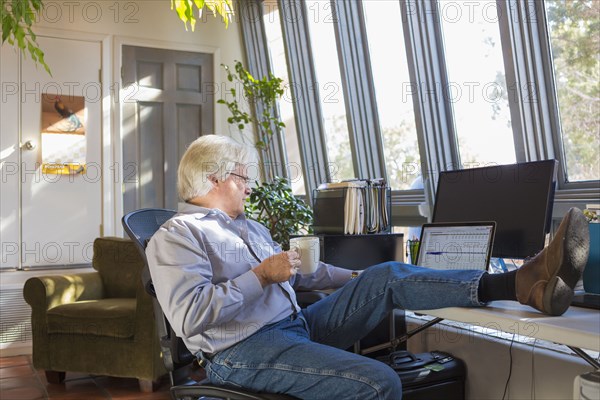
[547, 281]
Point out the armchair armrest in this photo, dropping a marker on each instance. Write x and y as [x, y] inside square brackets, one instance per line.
[45, 292]
[144, 313]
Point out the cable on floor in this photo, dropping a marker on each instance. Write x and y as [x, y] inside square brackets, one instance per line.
[510, 366]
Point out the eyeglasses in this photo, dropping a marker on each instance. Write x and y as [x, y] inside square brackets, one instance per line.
[245, 179]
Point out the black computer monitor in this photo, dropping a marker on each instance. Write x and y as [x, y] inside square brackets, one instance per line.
[361, 251]
[519, 197]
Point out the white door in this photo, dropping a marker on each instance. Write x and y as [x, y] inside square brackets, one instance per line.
[172, 104]
[61, 215]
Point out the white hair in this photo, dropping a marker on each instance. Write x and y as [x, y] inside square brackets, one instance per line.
[210, 156]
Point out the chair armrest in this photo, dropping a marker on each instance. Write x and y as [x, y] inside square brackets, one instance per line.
[45, 292]
[308, 297]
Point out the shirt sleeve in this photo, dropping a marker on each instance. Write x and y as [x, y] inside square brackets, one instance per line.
[326, 276]
[182, 276]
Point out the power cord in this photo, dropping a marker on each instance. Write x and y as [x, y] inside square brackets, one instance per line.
[510, 366]
[533, 369]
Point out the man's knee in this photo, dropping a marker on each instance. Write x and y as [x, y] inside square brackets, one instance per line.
[390, 386]
[378, 381]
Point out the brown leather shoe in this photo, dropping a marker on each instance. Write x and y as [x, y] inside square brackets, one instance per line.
[546, 281]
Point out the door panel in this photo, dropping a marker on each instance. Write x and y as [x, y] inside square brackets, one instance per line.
[150, 142]
[61, 214]
[173, 104]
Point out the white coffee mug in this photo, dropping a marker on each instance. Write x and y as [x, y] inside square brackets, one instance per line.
[308, 248]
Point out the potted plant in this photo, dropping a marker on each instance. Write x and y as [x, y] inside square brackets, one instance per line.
[260, 93]
[273, 203]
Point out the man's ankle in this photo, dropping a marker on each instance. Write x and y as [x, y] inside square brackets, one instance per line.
[497, 287]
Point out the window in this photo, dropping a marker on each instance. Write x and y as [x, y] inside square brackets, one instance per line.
[329, 86]
[274, 35]
[454, 83]
[574, 31]
[393, 92]
[477, 85]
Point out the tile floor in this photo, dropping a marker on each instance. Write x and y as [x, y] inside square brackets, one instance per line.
[19, 380]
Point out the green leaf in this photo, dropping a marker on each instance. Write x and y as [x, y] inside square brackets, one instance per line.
[7, 27]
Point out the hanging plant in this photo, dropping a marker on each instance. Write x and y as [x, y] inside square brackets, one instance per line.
[17, 16]
[187, 10]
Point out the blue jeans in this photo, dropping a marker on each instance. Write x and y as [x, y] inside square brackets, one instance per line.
[303, 356]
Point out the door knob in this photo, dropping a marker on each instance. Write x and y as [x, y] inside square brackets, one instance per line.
[29, 145]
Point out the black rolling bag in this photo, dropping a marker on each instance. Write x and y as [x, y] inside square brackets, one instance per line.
[428, 376]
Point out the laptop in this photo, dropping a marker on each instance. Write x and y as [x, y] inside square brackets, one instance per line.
[448, 246]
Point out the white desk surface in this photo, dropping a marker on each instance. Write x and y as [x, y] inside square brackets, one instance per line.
[578, 327]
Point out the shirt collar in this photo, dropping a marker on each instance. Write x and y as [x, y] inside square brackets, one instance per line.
[187, 208]
[201, 212]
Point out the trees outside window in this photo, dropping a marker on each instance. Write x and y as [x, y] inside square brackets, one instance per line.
[574, 30]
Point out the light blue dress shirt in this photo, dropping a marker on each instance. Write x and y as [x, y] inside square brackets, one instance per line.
[201, 264]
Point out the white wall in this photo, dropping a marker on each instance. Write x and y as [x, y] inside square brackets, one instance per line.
[143, 19]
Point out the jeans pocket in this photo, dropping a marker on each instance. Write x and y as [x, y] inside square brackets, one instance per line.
[217, 373]
[305, 323]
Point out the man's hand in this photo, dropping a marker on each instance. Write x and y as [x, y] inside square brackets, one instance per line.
[278, 268]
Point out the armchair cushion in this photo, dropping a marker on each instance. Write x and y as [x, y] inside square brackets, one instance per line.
[119, 264]
[107, 317]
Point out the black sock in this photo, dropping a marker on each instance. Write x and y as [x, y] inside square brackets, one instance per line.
[497, 287]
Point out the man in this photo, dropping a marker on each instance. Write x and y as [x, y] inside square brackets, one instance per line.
[227, 289]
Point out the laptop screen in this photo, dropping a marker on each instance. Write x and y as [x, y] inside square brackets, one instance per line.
[456, 245]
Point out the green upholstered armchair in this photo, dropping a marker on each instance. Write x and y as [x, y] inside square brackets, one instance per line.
[99, 322]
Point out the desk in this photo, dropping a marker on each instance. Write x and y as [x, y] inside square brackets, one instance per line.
[577, 328]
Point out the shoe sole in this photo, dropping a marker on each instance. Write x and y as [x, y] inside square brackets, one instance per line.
[557, 297]
[576, 250]
[559, 290]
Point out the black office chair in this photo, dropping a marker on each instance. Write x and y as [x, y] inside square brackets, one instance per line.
[140, 225]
